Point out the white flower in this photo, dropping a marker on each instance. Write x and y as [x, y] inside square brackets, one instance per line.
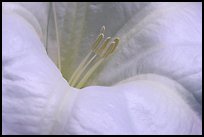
[150, 85]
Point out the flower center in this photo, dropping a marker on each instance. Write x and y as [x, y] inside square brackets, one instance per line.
[99, 52]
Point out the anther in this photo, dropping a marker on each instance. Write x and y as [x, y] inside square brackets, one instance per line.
[97, 42]
[117, 40]
[107, 52]
[111, 48]
[101, 49]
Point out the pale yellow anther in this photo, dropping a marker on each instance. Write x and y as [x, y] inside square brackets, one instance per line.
[104, 45]
[111, 48]
[117, 40]
[97, 42]
[108, 50]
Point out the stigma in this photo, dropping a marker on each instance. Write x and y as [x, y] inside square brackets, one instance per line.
[99, 52]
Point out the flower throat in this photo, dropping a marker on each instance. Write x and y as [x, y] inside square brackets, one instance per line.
[99, 52]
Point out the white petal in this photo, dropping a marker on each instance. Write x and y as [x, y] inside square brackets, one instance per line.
[33, 89]
[171, 84]
[141, 106]
[37, 15]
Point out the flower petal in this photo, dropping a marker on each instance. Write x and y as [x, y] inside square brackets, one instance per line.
[140, 106]
[33, 89]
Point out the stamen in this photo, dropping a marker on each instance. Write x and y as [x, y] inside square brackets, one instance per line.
[107, 52]
[112, 47]
[97, 42]
[93, 59]
[79, 70]
[100, 50]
